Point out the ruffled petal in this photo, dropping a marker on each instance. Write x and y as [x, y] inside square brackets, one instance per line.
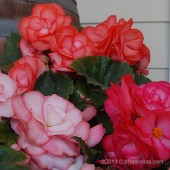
[20, 110]
[36, 132]
[34, 101]
[60, 146]
[29, 147]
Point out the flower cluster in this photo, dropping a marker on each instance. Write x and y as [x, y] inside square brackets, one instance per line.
[140, 116]
[74, 97]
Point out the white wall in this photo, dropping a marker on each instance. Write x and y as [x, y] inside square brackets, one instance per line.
[152, 17]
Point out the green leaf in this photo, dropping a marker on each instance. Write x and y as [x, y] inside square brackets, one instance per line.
[54, 83]
[9, 157]
[9, 166]
[7, 135]
[12, 52]
[101, 70]
[91, 155]
[94, 93]
[141, 79]
[102, 117]
[78, 101]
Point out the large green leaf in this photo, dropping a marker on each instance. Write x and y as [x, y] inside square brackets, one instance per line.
[54, 83]
[9, 158]
[12, 52]
[7, 135]
[101, 70]
[94, 93]
[78, 101]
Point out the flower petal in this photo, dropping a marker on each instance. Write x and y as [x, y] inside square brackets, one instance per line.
[96, 135]
[88, 113]
[162, 151]
[60, 146]
[30, 148]
[77, 164]
[88, 166]
[36, 132]
[47, 161]
[20, 110]
[146, 125]
[82, 130]
[6, 109]
[34, 101]
[66, 128]
[163, 122]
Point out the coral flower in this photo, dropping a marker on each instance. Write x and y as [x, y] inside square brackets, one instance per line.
[45, 20]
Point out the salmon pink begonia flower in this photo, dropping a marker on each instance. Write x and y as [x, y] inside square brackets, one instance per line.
[26, 70]
[69, 46]
[40, 27]
[120, 42]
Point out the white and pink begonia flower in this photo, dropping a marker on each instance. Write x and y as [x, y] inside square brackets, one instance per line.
[46, 124]
[7, 91]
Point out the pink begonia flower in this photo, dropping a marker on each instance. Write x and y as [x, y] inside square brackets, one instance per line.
[7, 91]
[119, 105]
[154, 130]
[45, 125]
[25, 72]
[125, 145]
[151, 97]
[89, 112]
